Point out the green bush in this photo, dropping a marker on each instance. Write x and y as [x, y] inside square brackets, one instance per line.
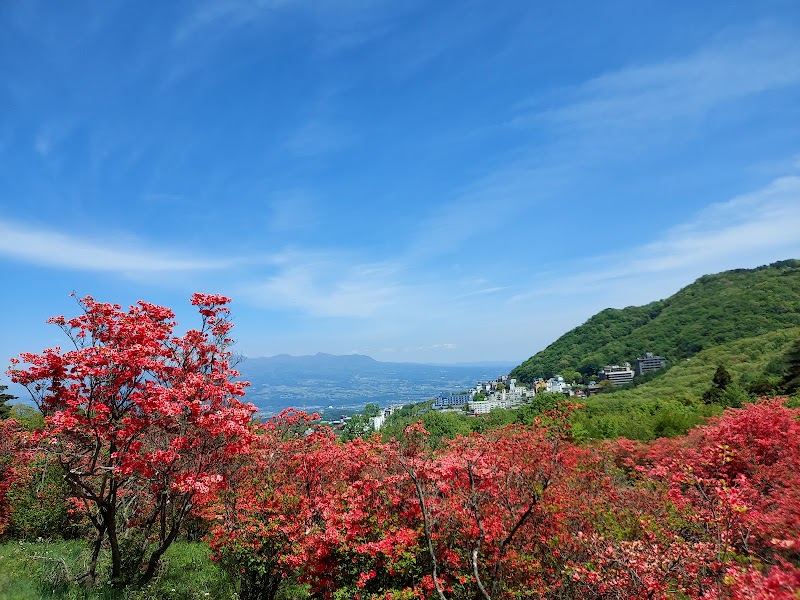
[40, 507]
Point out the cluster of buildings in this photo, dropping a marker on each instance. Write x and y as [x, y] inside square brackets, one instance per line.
[556, 385]
[505, 393]
[620, 375]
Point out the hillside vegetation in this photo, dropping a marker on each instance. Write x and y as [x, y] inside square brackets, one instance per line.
[672, 403]
[748, 360]
[714, 310]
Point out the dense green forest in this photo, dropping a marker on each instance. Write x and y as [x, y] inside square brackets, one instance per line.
[714, 310]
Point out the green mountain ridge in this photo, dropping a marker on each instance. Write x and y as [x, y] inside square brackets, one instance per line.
[712, 311]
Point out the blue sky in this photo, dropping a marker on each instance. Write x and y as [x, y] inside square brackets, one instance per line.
[417, 181]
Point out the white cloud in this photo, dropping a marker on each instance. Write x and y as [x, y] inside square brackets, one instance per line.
[293, 210]
[634, 97]
[327, 286]
[484, 291]
[390, 303]
[51, 136]
[341, 25]
[746, 231]
[482, 207]
[608, 119]
[219, 16]
[443, 346]
[762, 223]
[54, 249]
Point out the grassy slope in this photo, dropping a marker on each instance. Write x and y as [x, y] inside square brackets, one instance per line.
[670, 404]
[744, 359]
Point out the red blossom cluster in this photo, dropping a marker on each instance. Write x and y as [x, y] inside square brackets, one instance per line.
[12, 446]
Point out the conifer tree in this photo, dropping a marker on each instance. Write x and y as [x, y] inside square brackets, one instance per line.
[721, 380]
[4, 399]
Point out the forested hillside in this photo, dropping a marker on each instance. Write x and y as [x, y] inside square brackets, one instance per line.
[673, 403]
[714, 310]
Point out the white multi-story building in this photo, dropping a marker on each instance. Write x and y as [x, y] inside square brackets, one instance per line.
[618, 375]
[557, 385]
[482, 407]
[377, 422]
[449, 400]
[500, 393]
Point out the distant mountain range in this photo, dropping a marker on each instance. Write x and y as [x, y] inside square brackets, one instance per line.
[328, 382]
[713, 311]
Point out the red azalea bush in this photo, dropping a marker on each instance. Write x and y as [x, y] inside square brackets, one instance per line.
[141, 421]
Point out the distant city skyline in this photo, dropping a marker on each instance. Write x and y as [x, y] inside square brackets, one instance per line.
[417, 182]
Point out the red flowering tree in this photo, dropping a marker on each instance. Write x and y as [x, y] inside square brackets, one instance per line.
[141, 421]
[11, 441]
[360, 535]
[520, 511]
[739, 478]
[637, 546]
[713, 514]
[261, 513]
[490, 508]
[307, 506]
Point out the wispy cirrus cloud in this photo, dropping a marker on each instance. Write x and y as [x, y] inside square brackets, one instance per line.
[339, 26]
[619, 108]
[614, 118]
[727, 69]
[50, 138]
[221, 16]
[485, 291]
[745, 231]
[54, 249]
[313, 282]
[318, 136]
[293, 210]
[763, 223]
[326, 284]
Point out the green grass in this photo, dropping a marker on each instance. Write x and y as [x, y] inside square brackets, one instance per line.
[15, 580]
[44, 570]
